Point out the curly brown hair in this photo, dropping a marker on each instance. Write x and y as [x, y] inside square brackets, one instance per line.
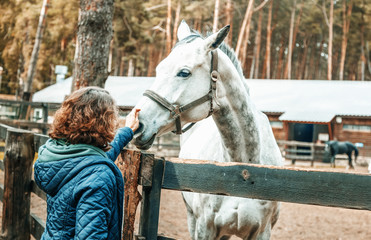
[89, 116]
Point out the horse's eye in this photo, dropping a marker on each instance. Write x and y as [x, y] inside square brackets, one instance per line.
[184, 73]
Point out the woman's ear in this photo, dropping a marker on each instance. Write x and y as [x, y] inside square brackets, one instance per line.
[214, 40]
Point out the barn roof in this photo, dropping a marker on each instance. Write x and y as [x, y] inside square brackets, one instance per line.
[54, 93]
[306, 117]
[304, 100]
[312, 100]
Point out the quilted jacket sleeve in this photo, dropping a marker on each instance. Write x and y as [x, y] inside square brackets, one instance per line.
[94, 194]
[122, 138]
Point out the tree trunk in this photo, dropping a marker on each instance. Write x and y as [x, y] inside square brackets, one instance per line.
[176, 23]
[344, 42]
[244, 27]
[94, 36]
[122, 64]
[244, 48]
[267, 59]
[301, 70]
[363, 57]
[168, 28]
[294, 38]
[289, 55]
[117, 62]
[280, 58]
[151, 65]
[110, 56]
[216, 16]
[229, 21]
[330, 38]
[252, 67]
[257, 44]
[131, 68]
[35, 52]
[311, 62]
[317, 69]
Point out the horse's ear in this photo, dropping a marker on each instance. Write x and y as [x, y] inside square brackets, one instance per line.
[183, 30]
[214, 40]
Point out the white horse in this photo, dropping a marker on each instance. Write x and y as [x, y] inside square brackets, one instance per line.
[236, 132]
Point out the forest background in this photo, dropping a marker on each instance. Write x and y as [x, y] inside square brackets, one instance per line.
[285, 39]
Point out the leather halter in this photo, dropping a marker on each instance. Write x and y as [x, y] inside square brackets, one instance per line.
[176, 110]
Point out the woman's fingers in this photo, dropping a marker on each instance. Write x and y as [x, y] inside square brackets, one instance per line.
[132, 120]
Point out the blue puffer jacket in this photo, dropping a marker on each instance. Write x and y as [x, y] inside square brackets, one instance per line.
[84, 189]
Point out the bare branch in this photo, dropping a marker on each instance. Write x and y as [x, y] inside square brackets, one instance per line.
[261, 5]
[155, 7]
[323, 9]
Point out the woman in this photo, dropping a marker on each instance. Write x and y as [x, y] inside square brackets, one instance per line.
[76, 167]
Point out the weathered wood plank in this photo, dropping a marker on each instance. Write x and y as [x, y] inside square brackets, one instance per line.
[19, 155]
[4, 102]
[298, 157]
[150, 208]
[37, 226]
[40, 140]
[1, 192]
[35, 189]
[164, 238]
[346, 190]
[24, 123]
[298, 151]
[146, 170]
[3, 130]
[129, 163]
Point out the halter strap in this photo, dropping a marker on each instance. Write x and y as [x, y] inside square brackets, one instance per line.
[176, 110]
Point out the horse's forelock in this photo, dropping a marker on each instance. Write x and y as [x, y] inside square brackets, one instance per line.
[224, 47]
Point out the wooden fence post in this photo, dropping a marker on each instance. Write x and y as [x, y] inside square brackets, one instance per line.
[129, 164]
[150, 208]
[45, 117]
[18, 160]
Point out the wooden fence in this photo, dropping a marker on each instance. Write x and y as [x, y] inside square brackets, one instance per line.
[335, 189]
[19, 153]
[21, 114]
[306, 151]
[315, 187]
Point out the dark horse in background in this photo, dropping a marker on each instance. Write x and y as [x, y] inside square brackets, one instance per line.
[335, 147]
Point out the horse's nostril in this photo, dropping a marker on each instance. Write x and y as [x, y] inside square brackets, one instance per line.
[140, 128]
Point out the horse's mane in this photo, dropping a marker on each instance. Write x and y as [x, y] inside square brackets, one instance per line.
[224, 47]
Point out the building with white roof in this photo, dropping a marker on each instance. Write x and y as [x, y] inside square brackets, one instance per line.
[305, 110]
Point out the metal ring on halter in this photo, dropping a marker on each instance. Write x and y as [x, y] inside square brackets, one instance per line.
[215, 75]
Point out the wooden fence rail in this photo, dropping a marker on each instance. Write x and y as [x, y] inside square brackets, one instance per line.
[316, 187]
[335, 189]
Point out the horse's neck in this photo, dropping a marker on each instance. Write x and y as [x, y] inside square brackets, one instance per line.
[237, 121]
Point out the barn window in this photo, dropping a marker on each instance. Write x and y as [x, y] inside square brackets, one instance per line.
[276, 124]
[357, 128]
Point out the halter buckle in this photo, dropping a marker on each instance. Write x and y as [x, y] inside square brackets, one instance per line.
[176, 112]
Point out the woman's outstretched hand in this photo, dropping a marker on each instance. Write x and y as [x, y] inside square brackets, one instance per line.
[132, 120]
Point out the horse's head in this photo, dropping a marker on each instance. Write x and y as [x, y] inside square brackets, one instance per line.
[183, 77]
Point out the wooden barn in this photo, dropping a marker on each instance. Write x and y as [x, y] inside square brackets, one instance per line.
[317, 111]
[305, 110]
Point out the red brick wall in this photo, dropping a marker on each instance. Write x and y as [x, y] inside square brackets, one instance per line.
[279, 133]
[338, 132]
[364, 137]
